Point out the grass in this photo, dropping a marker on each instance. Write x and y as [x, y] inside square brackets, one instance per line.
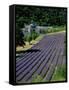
[65, 45]
[28, 46]
[59, 74]
[55, 29]
[55, 32]
[37, 78]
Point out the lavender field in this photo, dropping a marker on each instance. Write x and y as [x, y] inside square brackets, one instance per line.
[39, 63]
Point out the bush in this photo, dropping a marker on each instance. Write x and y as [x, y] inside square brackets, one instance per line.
[29, 38]
[34, 35]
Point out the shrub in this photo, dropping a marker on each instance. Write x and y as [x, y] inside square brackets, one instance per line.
[34, 35]
[29, 38]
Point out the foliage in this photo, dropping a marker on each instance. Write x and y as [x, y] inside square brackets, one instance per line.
[29, 38]
[53, 29]
[60, 74]
[42, 16]
[34, 35]
[65, 45]
[37, 78]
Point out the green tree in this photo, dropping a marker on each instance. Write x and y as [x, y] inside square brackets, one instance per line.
[44, 16]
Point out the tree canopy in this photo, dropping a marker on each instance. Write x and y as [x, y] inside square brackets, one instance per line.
[43, 16]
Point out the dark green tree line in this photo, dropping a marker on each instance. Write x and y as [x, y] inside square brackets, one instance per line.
[44, 16]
